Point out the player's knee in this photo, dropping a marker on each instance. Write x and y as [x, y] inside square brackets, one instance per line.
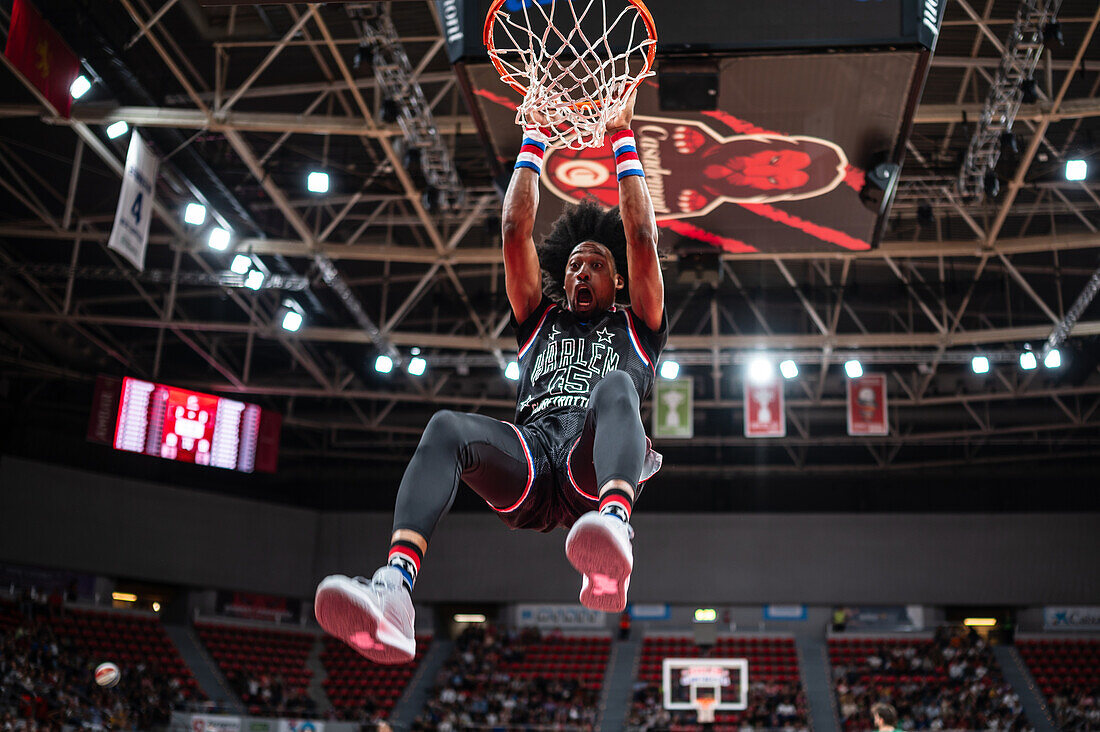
[444, 429]
[615, 391]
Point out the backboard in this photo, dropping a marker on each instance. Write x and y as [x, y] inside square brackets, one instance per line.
[686, 680]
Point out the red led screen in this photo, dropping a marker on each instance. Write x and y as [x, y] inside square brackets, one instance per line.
[189, 426]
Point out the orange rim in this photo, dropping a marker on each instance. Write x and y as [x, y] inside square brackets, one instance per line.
[651, 51]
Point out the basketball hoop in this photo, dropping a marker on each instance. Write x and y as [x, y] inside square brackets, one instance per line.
[571, 84]
[704, 710]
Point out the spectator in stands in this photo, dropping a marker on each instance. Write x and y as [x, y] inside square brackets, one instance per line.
[951, 683]
[885, 717]
[46, 683]
[771, 705]
[472, 690]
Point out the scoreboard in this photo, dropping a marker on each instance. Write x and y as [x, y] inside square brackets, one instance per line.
[734, 26]
[184, 425]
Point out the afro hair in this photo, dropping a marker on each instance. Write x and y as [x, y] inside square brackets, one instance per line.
[587, 221]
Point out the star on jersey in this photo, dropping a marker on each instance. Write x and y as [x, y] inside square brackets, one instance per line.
[554, 332]
[605, 335]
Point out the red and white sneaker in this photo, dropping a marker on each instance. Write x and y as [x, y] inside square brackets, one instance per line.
[375, 618]
[598, 546]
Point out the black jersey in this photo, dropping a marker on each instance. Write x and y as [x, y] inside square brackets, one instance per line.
[562, 358]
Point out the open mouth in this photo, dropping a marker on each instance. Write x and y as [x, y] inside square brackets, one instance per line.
[584, 297]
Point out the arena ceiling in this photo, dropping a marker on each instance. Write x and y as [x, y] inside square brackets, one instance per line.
[242, 101]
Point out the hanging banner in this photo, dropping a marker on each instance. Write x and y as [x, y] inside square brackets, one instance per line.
[867, 406]
[130, 234]
[672, 409]
[764, 412]
[38, 52]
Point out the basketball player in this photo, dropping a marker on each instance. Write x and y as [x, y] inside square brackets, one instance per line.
[577, 453]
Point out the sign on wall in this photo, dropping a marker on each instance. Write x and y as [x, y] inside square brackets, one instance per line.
[215, 723]
[672, 409]
[1086, 617]
[565, 617]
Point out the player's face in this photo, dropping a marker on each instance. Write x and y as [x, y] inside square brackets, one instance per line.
[590, 279]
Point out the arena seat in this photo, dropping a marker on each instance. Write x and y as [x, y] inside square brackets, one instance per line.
[1067, 671]
[518, 679]
[243, 652]
[928, 679]
[353, 682]
[127, 640]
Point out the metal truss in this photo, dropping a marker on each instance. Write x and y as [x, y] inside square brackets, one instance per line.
[271, 281]
[1020, 57]
[380, 273]
[396, 79]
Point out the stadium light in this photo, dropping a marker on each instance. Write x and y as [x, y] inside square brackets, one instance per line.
[118, 129]
[292, 321]
[254, 280]
[80, 86]
[1028, 362]
[670, 370]
[980, 364]
[292, 314]
[706, 615]
[417, 366]
[1053, 359]
[512, 371]
[123, 597]
[219, 239]
[760, 370]
[156, 607]
[241, 264]
[469, 618]
[383, 364]
[1077, 169]
[317, 182]
[854, 369]
[789, 369]
[195, 214]
[980, 622]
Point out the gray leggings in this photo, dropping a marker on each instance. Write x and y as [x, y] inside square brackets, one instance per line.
[489, 456]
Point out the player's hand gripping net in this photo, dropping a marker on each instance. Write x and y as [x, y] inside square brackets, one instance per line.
[576, 62]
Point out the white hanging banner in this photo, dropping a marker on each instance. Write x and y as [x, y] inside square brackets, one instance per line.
[765, 415]
[130, 234]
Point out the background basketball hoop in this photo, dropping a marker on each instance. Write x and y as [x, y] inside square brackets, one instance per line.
[575, 62]
[704, 710]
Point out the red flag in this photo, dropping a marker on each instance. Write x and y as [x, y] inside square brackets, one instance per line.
[868, 406]
[40, 55]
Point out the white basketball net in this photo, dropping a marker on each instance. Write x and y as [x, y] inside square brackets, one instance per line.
[575, 83]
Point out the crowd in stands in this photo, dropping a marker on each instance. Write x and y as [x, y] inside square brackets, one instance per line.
[46, 683]
[779, 705]
[475, 689]
[271, 696]
[950, 682]
[1076, 709]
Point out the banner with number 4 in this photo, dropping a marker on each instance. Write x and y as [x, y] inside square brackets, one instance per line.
[130, 234]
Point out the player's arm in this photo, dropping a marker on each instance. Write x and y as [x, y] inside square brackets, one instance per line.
[522, 274]
[647, 286]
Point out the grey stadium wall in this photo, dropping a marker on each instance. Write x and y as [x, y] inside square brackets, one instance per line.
[58, 517]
